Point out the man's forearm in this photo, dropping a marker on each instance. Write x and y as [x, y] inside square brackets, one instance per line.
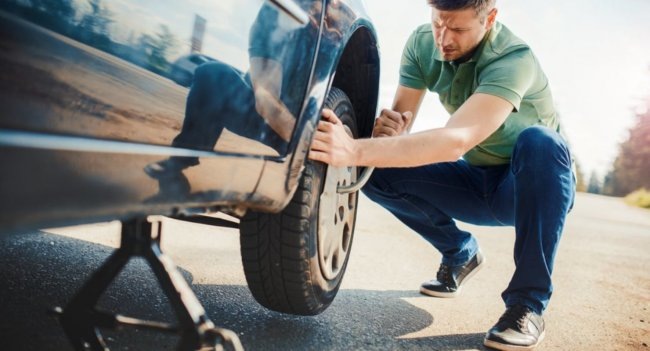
[431, 146]
[473, 122]
[408, 99]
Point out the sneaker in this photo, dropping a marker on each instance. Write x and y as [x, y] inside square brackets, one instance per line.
[518, 329]
[168, 168]
[450, 278]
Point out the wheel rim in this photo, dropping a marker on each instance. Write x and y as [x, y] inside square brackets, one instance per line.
[335, 220]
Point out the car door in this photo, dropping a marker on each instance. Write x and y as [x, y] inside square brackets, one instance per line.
[110, 70]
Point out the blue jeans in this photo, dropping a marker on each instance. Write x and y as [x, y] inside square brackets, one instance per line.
[222, 97]
[533, 193]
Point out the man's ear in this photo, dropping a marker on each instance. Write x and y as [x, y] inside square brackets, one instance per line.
[491, 18]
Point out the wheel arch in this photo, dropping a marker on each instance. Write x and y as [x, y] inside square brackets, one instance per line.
[354, 68]
[357, 74]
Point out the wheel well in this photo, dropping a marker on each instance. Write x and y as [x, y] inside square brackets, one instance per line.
[357, 74]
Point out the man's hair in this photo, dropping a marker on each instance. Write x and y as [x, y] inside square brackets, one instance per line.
[482, 7]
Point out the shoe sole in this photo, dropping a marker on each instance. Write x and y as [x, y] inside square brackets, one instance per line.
[506, 347]
[455, 293]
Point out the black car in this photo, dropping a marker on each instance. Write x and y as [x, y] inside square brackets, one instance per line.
[92, 127]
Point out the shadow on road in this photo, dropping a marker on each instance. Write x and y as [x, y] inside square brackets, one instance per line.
[357, 320]
[40, 270]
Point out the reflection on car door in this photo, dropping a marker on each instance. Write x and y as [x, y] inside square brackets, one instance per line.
[104, 71]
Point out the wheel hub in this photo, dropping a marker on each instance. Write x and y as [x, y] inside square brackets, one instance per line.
[335, 220]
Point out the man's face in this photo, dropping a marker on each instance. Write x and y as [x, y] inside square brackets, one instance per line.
[458, 33]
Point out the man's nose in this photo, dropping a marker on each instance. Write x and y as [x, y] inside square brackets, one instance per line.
[445, 38]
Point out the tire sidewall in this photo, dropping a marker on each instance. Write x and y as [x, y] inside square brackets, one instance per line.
[325, 288]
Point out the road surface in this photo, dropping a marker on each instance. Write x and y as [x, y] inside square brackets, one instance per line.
[601, 299]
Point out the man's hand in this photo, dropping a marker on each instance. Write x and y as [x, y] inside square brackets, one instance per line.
[391, 123]
[332, 144]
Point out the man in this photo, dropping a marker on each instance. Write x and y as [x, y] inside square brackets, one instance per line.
[515, 167]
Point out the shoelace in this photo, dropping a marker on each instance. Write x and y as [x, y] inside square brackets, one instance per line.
[444, 275]
[515, 315]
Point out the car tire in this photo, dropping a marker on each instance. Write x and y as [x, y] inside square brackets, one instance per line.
[294, 261]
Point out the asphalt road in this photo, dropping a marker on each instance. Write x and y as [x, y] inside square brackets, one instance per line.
[601, 299]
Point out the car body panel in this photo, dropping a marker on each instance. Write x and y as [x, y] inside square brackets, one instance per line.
[83, 117]
[108, 84]
[43, 187]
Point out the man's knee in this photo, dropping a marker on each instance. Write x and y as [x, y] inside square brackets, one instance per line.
[540, 140]
[540, 146]
[539, 136]
[379, 183]
[372, 185]
[215, 73]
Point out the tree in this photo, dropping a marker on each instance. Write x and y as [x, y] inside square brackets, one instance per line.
[93, 26]
[98, 20]
[158, 48]
[63, 9]
[57, 15]
[594, 184]
[631, 169]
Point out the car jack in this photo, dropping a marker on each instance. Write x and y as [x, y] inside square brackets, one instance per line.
[141, 238]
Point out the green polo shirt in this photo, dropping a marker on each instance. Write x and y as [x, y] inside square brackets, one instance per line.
[503, 65]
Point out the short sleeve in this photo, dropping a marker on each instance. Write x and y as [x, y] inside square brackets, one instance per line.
[410, 73]
[509, 77]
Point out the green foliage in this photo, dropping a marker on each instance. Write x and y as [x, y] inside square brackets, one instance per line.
[55, 8]
[93, 27]
[57, 15]
[640, 198]
[594, 184]
[98, 20]
[158, 48]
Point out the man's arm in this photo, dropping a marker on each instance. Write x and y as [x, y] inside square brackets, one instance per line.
[399, 119]
[479, 117]
[408, 100]
[266, 78]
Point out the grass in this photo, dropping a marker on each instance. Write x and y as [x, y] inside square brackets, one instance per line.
[639, 198]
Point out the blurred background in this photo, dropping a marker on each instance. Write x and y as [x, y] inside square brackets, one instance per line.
[597, 59]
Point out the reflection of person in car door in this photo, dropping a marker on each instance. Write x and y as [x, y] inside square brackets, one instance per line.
[258, 105]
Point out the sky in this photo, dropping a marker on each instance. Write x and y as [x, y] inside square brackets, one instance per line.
[595, 54]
